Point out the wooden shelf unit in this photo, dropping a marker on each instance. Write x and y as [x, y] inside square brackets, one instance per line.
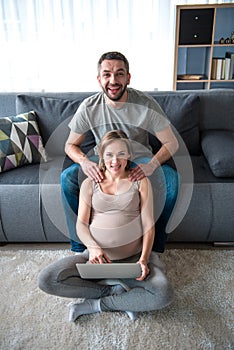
[204, 26]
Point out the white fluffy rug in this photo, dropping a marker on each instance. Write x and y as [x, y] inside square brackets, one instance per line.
[201, 316]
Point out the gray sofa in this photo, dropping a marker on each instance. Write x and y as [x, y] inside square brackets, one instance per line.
[30, 199]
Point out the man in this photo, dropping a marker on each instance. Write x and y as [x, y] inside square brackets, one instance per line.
[120, 107]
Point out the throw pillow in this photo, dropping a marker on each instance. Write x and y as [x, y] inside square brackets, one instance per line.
[218, 146]
[183, 112]
[54, 115]
[20, 141]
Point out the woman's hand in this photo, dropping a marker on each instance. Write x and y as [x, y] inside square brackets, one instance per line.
[97, 256]
[144, 270]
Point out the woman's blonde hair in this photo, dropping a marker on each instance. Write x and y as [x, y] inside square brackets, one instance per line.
[108, 138]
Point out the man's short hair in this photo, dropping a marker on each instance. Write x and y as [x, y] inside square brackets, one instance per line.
[113, 55]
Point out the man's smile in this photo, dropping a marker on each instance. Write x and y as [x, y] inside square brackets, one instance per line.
[114, 89]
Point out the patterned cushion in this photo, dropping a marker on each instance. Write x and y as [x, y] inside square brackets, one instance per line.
[20, 141]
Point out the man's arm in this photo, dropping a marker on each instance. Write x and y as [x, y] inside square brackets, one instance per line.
[169, 147]
[72, 149]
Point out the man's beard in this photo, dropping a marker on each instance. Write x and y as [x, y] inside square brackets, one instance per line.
[118, 96]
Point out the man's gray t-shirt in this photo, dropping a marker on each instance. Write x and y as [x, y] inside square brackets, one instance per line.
[137, 117]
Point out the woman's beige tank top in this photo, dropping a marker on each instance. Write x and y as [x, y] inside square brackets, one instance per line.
[116, 222]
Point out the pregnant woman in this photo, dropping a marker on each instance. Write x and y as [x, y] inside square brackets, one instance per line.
[116, 224]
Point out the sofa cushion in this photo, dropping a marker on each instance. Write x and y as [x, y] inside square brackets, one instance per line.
[218, 146]
[217, 109]
[54, 115]
[26, 175]
[183, 112]
[44, 173]
[20, 141]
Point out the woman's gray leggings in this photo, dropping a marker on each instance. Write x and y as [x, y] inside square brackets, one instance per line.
[62, 279]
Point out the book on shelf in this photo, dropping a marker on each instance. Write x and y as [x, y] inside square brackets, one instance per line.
[227, 67]
[222, 68]
[217, 68]
[214, 68]
[229, 56]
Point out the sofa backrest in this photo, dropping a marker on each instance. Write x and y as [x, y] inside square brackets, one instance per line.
[7, 104]
[189, 111]
[217, 109]
[53, 110]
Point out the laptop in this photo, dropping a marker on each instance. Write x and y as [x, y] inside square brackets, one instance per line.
[113, 270]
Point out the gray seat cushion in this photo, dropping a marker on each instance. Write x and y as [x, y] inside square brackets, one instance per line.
[32, 174]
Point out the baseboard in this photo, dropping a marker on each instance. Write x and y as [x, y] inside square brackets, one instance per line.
[200, 245]
[224, 244]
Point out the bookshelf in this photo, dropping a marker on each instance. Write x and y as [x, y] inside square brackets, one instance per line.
[198, 47]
